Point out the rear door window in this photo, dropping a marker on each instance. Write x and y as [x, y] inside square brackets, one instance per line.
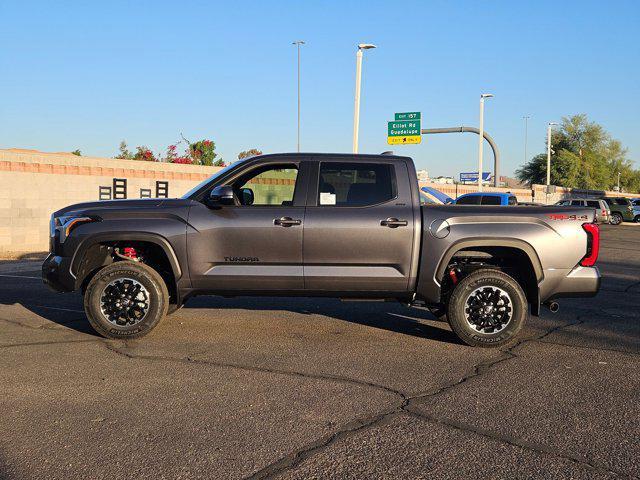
[356, 184]
[593, 204]
[490, 200]
[513, 201]
[470, 200]
[577, 203]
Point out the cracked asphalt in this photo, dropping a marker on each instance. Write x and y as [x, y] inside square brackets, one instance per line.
[308, 388]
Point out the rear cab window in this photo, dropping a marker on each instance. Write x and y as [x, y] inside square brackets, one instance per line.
[470, 200]
[491, 200]
[356, 184]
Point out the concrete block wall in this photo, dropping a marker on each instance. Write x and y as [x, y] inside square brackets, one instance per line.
[35, 184]
[454, 191]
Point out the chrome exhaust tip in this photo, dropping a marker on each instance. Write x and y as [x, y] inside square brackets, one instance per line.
[553, 307]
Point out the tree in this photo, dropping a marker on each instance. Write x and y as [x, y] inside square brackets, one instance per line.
[203, 153]
[584, 156]
[124, 154]
[249, 153]
[144, 154]
[77, 153]
[173, 157]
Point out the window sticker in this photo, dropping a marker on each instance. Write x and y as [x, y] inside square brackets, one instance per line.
[327, 198]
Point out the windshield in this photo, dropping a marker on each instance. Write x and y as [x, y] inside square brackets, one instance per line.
[210, 179]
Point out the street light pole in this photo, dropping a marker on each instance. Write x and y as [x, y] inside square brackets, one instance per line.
[549, 152]
[297, 43]
[356, 111]
[526, 135]
[481, 138]
[618, 182]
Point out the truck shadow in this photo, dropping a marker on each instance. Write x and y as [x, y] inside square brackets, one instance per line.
[66, 311]
[619, 296]
[390, 316]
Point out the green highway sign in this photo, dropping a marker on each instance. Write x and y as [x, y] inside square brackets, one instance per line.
[403, 128]
[408, 116]
[403, 132]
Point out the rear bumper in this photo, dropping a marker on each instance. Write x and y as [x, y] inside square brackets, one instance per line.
[579, 282]
[56, 273]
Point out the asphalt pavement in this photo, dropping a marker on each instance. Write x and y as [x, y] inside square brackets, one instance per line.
[317, 388]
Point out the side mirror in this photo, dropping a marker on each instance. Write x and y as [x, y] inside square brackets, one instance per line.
[246, 196]
[220, 195]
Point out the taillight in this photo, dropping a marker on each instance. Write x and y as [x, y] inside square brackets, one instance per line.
[593, 244]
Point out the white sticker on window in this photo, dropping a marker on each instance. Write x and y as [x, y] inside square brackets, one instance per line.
[327, 198]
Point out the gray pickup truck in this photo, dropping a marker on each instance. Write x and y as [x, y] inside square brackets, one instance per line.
[331, 225]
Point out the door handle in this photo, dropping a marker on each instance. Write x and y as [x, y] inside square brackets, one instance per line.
[286, 222]
[393, 223]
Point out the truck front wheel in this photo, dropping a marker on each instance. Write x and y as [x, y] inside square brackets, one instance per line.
[487, 308]
[126, 300]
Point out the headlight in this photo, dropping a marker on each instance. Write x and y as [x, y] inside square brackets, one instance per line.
[66, 223]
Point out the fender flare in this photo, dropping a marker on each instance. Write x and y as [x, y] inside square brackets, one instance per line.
[116, 236]
[491, 242]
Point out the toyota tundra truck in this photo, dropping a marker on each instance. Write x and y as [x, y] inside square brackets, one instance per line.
[322, 225]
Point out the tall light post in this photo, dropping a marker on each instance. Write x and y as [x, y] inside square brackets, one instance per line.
[297, 43]
[481, 138]
[618, 182]
[526, 135]
[356, 111]
[551, 124]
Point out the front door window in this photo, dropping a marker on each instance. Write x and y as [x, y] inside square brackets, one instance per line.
[269, 186]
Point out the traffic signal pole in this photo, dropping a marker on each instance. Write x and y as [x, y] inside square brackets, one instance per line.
[487, 137]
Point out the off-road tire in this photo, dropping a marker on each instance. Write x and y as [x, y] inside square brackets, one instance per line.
[148, 278]
[457, 308]
[616, 218]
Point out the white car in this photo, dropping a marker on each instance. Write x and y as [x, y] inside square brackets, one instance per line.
[603, 213]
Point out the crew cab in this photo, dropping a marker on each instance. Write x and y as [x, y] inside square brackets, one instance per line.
[331, 225]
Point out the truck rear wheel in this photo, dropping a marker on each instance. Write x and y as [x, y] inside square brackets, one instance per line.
[487, 308]
[126, 300]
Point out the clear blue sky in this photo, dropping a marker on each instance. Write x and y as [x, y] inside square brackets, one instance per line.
[89, 74]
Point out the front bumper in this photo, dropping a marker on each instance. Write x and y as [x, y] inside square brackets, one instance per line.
[56, 273]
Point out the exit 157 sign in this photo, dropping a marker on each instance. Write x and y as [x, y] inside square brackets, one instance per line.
[408, 116]
[405, 129]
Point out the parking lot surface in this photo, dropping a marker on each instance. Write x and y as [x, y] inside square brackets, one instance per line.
[316, 388]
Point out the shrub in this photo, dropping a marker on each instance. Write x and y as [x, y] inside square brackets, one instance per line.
[144, 154]
[124, 154]
[203, 153]
[249, 153]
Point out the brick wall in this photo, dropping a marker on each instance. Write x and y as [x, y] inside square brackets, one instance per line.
[35, 184]
[454, 191]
